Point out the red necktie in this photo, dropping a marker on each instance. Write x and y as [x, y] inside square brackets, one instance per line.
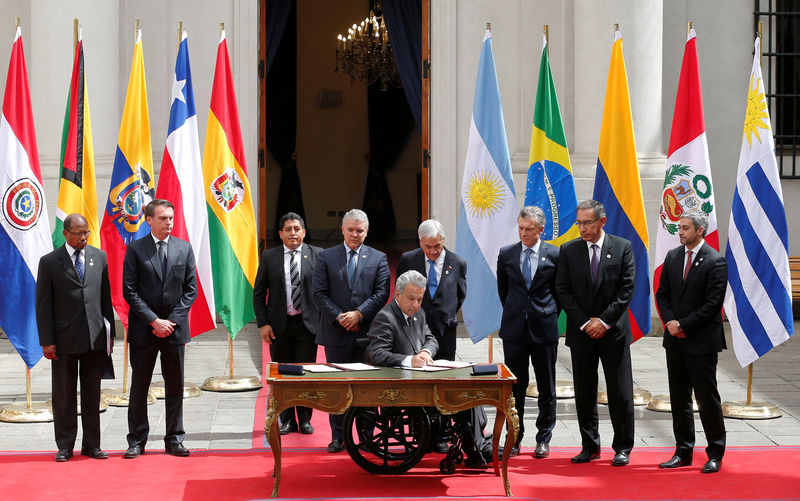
[688, 265]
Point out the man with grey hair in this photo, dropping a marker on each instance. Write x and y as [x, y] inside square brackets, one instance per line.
[689, 298]
[594, 286]
[400, 337]
[447, 284]
[350, 284]
[526, 274]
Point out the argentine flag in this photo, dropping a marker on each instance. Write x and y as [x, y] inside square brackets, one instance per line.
[487, 217]
[758, 300]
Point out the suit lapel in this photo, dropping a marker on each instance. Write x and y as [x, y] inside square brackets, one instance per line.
[69, 265]
[151, 248]
[362, 259]
[696, 263]
[606, 253]
[541, 258]
[408, 331]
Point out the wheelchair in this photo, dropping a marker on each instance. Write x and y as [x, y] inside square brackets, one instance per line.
[392, 440]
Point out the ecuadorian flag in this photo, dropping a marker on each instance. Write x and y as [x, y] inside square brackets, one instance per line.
[131, 180]
[231, 219]
[550, 183]
[618, 187]
[77, 188]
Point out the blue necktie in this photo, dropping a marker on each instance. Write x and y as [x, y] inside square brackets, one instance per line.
[79, 265]
[526, 268]
[433, 282]
[351, 268]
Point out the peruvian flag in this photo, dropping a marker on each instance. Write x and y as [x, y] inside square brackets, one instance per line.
[687, 181]
[24, 223]
[181, 182]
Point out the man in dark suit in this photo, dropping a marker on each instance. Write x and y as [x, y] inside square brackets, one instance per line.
[400, 337]
[285, 309]
[526, 275]
[73, 306]
[446, 273]
[351, 283]
[689, 298]
[594, 286]
[159, 283]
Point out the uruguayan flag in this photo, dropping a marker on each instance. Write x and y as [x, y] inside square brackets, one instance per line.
[487, 218]
[758, 300]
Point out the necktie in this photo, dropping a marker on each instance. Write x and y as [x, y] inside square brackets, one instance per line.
[162, 256]
[351, 268]
[526, 268]
[433, 281]
[79, 265]
[294, 275]
[688, 265]
[410, 321]
[595, 262]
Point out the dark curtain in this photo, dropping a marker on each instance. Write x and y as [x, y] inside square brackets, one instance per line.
[281, 101]
[390, 125]
[404, 23]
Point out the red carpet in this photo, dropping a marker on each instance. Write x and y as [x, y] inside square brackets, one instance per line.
[758, 473]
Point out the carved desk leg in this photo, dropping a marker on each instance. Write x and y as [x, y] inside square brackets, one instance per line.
[512, 420]
[274, 439]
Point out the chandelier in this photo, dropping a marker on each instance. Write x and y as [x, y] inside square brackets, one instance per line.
[365, 53]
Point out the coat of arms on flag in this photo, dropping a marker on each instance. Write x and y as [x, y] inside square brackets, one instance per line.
[22, 204]
[228, 190]
[683, 190]
[127, 199]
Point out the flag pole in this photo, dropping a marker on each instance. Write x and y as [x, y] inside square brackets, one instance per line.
[547, 37]
[180, 33]
[749, 409]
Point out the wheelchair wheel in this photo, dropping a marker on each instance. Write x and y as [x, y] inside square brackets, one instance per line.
[386, 440]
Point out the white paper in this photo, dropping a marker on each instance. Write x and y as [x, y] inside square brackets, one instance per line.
[451, 364]
[355, 367]
[320, 368]
[426, 368]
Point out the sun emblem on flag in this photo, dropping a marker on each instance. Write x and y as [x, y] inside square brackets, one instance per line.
[756, 110]
[228, 190]
[484, 194]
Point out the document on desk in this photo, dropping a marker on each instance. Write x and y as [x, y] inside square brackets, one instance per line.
[355, 367]
[425, 368]
[320, 368]
[451, 364]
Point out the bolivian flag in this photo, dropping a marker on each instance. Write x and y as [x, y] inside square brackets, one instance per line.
[231, 220]
[618, 187]
[77, 189]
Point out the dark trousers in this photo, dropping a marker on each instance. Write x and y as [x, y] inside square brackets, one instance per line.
[143, 360]
[89, 365]
[699, 372]
[543, 359]
[295, 345]
[616, 360]
[447, 343]
[346, 353]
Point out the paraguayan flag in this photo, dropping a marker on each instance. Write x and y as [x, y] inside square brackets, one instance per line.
[758, 299]
[487, 218]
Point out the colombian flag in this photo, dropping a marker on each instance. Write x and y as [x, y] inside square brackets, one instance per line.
[550, 183]
[131, 180]
[231, 219]
[618, 187]
[77, 189]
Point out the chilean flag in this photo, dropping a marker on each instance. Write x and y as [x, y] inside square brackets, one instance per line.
[181, 182]
[687, 181]
[24, 224]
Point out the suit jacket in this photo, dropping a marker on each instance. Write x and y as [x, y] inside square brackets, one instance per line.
[607, 300]
[527, 310]
[695, 303]
[69, 312]
[270, 308]
[391, 339]
[440, 310]
[333, 294]
[151, 295]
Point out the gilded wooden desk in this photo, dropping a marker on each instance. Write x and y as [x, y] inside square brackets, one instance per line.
[449, 391]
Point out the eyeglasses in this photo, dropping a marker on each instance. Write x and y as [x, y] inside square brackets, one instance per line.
[82, 234]
[586, 223]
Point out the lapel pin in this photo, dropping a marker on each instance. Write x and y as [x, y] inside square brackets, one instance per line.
[608, 256]
[305, 257]
[363, 256]
[697, 264]
[446, 272]
[543, 258]
[91, 262]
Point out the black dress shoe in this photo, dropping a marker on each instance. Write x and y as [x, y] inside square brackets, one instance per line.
[133, 452]
[94, 453]
[63, 455]
[288, 427]
[712, 466]
[621, 459]
[177, 450]
[585, 456]
[476, 461]
[335, 446]
[306, 428]
[440, 447]
[514, 452]
[676, 462]
[542, 450]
